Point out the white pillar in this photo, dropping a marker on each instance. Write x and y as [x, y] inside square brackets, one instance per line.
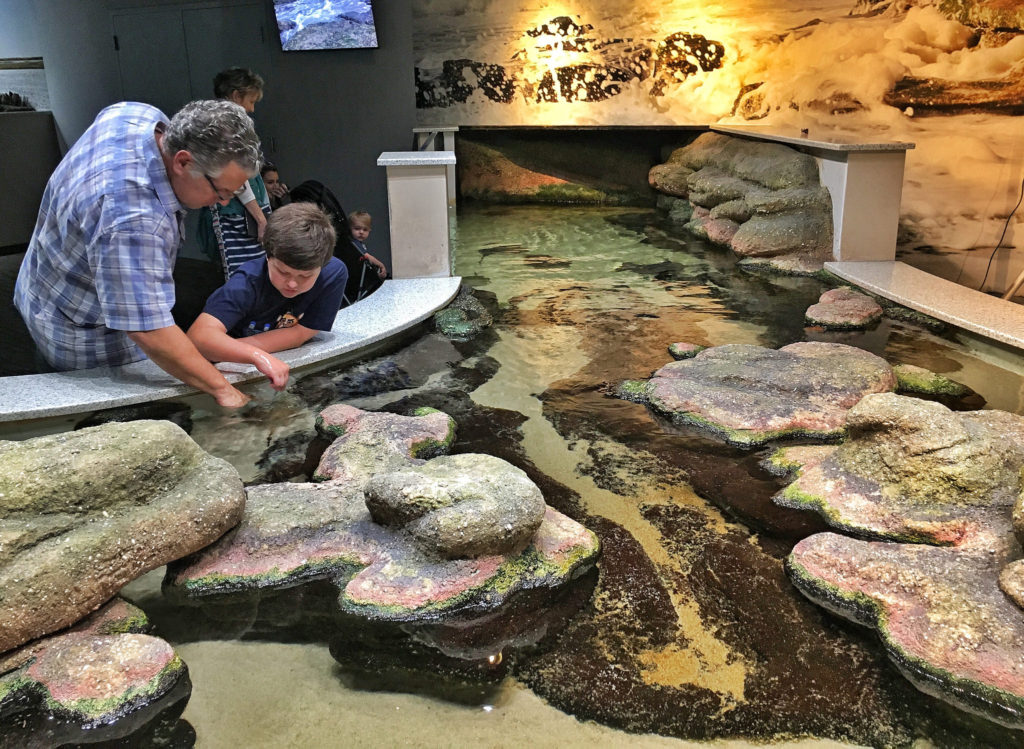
[426, 140]
[866, 188]
[418, 210]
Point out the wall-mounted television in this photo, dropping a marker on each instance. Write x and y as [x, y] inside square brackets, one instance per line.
[325, 24]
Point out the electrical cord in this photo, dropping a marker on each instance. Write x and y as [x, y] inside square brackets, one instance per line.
[1006, 226]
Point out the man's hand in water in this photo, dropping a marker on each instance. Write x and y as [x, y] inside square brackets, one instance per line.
[231, 397]
[275, 369]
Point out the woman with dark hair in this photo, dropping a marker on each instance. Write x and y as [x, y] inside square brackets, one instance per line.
[276, 189]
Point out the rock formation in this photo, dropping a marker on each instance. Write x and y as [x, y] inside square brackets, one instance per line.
[367, 443]
[912, 470]
[844, 309]
[763, 200]
[943, 585]
[104, 679]
[428, 539]
[749, 395]
[83, 513]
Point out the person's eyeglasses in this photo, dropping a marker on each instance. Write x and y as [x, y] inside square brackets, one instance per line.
[219, 190]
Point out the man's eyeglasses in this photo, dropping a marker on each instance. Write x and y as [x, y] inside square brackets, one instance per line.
[219, 190]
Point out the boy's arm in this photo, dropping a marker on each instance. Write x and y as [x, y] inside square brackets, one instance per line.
[280, 339]
[211, 338]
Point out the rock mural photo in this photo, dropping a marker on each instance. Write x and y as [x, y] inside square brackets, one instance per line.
[945, 75]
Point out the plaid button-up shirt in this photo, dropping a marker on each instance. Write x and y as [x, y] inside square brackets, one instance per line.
[101, 257]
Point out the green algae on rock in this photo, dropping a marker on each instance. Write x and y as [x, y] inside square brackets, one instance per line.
[680, 351]
[913, 379]
[750, 395]
[83, 513]
[101, 679]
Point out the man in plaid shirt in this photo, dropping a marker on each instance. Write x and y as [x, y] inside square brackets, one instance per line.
[96, 288]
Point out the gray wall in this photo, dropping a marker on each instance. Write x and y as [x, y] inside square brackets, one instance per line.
[330, 113]
[18, 29]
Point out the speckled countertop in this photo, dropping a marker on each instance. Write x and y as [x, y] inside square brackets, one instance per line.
[815, 138]
[397, 306]
[416, 158]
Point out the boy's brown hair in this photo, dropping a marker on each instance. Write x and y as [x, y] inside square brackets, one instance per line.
[360, 217]
[300, 235]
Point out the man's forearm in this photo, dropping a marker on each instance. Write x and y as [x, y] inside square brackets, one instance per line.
[174, 353]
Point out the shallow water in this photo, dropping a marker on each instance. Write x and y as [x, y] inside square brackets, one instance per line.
[693, 630]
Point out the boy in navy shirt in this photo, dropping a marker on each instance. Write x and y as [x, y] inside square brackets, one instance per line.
[277, 302]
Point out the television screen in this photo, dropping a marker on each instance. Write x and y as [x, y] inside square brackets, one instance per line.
[325, 24]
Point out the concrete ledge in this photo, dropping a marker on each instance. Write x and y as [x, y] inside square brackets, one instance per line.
[944, 300]
[392, 309]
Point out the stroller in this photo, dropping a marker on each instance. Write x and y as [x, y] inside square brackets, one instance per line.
[362, 278]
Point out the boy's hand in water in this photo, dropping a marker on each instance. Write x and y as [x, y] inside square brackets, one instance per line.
[275, 369]
[231, 397]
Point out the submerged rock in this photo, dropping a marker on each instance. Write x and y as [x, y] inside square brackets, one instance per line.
[912, 379]
[939, 611]
[913, 470]
[459, 506]
[464, 318]
[750, 395]
[102, 680]
[179, 413]
[844, 309]
[83, 513]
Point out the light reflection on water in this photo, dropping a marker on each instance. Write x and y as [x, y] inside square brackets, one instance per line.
[589, 297]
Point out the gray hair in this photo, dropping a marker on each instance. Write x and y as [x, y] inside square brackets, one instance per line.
[215, 132]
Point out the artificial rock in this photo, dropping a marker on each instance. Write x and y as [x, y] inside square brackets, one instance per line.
[844, 308]
[750, 395]
[763, 200]
[459, 506]
[83, 513]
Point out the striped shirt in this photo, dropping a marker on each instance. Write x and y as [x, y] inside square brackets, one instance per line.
[102, 254]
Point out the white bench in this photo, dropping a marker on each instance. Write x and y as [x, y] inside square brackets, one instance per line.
[865, 179]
